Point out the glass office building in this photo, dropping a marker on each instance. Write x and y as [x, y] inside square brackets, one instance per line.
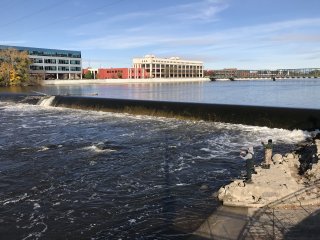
[53, 63]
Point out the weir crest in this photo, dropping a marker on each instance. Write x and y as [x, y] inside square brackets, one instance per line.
[273, 117]
[46, 101]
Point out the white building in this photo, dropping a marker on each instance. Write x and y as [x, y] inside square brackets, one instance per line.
[173, 67]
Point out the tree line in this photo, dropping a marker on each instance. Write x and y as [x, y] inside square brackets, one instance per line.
[15, 68]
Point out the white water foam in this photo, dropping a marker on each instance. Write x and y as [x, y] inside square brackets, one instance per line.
[46, 101]
[253, 135]
[43, 148]
[15, 200]
[99, 150]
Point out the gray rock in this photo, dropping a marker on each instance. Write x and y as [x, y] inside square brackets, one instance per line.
[204, 187]
[215, 195]
[288, 156]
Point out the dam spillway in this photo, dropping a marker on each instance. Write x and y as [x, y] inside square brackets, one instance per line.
[274, 117]
[288, 118]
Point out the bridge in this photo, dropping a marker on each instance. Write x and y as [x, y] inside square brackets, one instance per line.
[234, 73]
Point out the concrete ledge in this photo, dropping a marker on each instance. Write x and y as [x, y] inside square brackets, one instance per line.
[288, 118]
[274, 117]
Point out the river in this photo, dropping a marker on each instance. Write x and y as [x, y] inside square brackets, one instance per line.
[76, 174]
[299, 93]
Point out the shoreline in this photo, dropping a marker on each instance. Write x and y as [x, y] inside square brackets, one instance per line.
[291, 177]
[280, 203]
[123, 81]
[154, 80]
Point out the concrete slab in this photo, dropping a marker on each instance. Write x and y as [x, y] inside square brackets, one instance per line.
[225, 223]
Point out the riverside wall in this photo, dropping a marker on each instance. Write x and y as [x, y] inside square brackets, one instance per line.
[274, 117]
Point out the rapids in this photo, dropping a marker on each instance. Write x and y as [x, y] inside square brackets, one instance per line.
[71, 174]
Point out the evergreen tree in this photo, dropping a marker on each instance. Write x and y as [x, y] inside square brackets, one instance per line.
[88, 75]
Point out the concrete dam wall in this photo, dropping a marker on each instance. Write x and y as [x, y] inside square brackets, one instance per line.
[289, 118]
[274, 117]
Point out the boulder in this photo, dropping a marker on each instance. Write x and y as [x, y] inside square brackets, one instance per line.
[288, 156]
[204, 187]
[277, 159]
[313, 174]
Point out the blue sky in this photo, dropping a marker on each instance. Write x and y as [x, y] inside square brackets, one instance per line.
[246, 34]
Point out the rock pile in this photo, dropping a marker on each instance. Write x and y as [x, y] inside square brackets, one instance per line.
[313, 174]
[282, 180]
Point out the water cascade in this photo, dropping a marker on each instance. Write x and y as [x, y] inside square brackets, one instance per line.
[46, 101]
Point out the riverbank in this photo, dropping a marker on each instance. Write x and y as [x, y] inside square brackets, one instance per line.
[265, 78]
[123, 81]
[287, 176]
[281, 202]
[148, 80]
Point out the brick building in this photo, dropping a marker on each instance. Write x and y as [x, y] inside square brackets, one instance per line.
[118, 73]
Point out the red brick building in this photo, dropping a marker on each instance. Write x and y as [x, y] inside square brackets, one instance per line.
[118, 73]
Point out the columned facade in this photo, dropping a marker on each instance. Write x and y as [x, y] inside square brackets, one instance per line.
[173, 67]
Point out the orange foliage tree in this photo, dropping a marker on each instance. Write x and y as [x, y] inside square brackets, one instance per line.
[14, 67]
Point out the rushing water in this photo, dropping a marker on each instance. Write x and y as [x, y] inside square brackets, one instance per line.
[301, 93]
[73, 174]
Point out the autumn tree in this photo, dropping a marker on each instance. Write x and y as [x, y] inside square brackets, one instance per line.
[14, 68]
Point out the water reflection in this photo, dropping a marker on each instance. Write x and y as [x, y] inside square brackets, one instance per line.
[282, 93]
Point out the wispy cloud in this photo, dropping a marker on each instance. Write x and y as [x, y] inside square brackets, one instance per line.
[257, 35]
[305, 38]
[120, 42]
[196, 12]
[13, 42]
[202, 11]
[189, 30]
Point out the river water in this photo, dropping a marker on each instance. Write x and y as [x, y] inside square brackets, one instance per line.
[75, 174]
[301, 93]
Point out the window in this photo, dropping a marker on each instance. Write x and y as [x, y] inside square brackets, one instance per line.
[37, 60]
[50, 68]
[64, 69]
[50, 52]
[75, 62]
[74, 69]
[63, 61]
[50, 61]
[36, 68]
